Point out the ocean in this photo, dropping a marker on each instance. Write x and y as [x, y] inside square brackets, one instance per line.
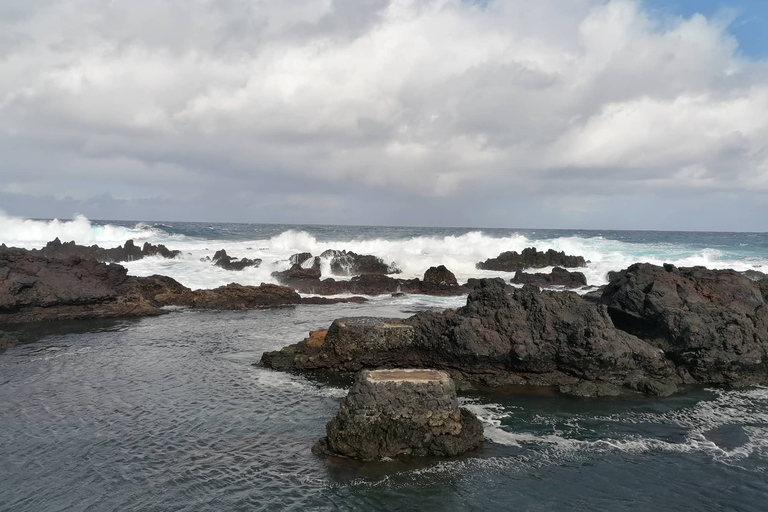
[170, 413]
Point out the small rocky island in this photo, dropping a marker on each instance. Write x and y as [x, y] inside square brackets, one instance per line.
[391, 413]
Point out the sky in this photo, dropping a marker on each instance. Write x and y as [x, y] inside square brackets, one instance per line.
[603, 114]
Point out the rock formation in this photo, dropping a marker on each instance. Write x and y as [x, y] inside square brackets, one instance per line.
[437, 281]
[713, 324]
[529, 337]
[390, 413]
[223, 260]
[128, 252]
[34, 288]
[348, 263]
[512, 261]
[558, 277]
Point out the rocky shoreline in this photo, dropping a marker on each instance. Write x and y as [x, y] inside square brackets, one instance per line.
[35, 288]
[651, 330]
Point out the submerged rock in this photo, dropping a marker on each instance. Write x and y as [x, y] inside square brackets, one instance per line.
[7, 341]
[390, 413]
[512, 261]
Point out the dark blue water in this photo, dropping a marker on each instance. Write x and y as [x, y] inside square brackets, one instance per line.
[169, 414]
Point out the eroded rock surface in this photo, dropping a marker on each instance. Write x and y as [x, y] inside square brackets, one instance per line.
[512, 261]
[128, 252]
[227, 262]
[529, 337]
[35, 288]
[390, 413]
[712, 323]
[558, 277]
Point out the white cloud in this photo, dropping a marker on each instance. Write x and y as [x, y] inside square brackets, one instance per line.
[430, 97]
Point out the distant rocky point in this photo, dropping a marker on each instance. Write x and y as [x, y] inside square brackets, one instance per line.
[512, 261]
[128, 252]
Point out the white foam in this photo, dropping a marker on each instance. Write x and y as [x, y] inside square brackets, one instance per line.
[33, 234]
[414, 255]
[745, 408]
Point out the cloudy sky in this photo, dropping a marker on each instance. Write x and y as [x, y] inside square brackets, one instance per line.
[623, 114]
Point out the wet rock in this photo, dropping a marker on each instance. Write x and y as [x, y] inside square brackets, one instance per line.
[233, 296]
[754, 275]
[529, 337]
[7, 341]
[300, 258]
[34, 288]
[558, 277]
[712, 323]
[439, 276]
[391, 413]
[299, 276]
[128, 252]
[348, 263]
[512, 261]
[223, 260]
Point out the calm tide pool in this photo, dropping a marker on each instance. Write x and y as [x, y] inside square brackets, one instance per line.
[169, 414]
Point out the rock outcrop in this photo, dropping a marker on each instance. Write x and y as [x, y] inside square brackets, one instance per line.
[437, 281]
[348, 263]
[34, 288]
[558, 277]
[512, 261]
[409, 412]
[128, 252]
[713, 324]
[223, 260]
[529, 337]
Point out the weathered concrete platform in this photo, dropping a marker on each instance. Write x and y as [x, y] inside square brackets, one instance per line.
[389, 413]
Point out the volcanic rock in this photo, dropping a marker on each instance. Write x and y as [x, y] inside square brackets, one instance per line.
[512, 261]
[390, 413]
[712, 323]
[348, 263]
[34, 288]
[297, 276]
[529, 337]
[223, 260]
[128, 252]
[558, 277]
[7, 341]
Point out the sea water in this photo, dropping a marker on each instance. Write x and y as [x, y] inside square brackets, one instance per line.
[170, 413]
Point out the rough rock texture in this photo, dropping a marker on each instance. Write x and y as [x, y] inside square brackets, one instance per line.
[512, 261]
[558, 277]
[223, 260]
[307, 280]
[348, 263]
[390, 413]
[298, 276]
[128, 252]
[7, 341]
[528, 337]
[711, 323]
[34, 288]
